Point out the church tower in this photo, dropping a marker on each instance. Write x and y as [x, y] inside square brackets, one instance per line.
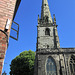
[47, 29]
[50, 58]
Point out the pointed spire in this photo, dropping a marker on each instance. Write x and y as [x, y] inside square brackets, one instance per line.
[45, 12]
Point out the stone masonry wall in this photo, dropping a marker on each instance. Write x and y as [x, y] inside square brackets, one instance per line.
[6, 12]
[61, 57]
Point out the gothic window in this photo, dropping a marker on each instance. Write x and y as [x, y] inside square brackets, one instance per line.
[72, 65]
[47, 31]
[50, 66]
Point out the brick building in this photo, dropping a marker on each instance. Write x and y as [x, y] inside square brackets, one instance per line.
[8, 9]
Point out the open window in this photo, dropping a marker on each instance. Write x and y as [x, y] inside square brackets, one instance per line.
[14, 31]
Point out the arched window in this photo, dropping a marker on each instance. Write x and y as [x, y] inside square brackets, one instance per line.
[50, 66]
[47, 31]
[72, 65]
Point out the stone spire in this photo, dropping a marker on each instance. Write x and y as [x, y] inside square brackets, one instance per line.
[45, 12]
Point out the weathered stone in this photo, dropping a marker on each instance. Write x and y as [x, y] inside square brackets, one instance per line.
[48, 46]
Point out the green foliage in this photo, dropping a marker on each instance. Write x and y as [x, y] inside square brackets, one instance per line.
[23, 64]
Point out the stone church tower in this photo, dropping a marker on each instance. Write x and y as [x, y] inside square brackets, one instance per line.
[50, 58]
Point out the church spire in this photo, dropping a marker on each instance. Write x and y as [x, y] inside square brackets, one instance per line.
[45, 12]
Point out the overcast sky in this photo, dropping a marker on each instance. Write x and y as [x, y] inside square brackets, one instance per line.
[26, 17]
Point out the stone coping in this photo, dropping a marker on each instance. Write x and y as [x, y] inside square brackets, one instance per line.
[56, 51]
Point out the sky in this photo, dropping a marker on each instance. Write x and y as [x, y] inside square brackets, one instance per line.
[27, 16]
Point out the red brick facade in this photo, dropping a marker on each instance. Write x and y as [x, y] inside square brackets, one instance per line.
[3, 47]
[7, 8]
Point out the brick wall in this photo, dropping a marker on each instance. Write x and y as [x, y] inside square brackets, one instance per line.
[3, 47]
[6, 12]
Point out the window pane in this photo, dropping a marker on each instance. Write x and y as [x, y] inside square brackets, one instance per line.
[51, 66]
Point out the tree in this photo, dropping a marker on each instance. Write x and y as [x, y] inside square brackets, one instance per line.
[23, 64]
